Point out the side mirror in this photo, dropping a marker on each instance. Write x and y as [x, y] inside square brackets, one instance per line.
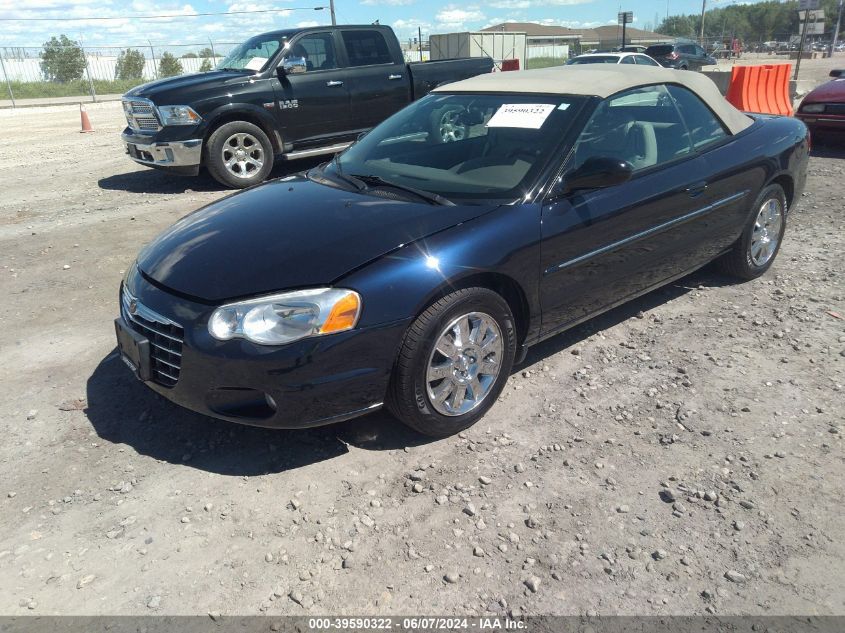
[839, 72]
[293, 66]
[597, 173]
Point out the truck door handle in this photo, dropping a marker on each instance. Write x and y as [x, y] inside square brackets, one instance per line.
[392, 77]
[334, 83]
[697, 189]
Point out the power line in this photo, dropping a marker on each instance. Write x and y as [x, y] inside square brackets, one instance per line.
[158, 17]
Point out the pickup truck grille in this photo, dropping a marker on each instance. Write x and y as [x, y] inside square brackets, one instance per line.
[164, 335]
[141, 115]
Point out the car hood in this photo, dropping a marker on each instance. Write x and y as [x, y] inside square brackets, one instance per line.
[160, 91]
[832, 91]
[287, 233]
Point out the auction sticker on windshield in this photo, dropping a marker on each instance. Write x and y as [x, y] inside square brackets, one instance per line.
[525, 115]
[256, 63]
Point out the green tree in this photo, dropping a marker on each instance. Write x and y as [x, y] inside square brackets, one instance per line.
[130, 64]
[62, 59]
[169, 66]
[190, 56]
[206, 65]
[206, 52]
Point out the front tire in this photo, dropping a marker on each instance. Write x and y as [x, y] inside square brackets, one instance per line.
[454, 362]
[239, 155]
[755, 251]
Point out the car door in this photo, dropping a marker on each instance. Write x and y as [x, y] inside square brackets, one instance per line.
[313, 104]
[732, 177]
[379, 86]
[604, 245]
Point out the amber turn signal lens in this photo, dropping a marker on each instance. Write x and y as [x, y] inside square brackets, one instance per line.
[344, 314]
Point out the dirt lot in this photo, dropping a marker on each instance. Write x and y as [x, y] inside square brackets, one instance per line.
[679, 455]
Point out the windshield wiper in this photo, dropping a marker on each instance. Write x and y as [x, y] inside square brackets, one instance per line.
[371, 180]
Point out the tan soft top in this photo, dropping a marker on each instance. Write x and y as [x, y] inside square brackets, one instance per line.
[602, 80]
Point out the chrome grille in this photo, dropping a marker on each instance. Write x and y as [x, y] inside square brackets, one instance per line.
[141, 115]
[164, 335]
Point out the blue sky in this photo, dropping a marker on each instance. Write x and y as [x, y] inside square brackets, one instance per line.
[434, 16]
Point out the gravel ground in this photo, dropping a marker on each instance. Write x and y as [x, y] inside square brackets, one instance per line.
[679, 455]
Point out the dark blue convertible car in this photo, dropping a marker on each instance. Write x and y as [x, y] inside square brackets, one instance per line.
[415, 269]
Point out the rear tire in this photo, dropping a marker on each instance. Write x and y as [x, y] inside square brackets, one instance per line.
[755, 251]
[239, 154]
[453, 363]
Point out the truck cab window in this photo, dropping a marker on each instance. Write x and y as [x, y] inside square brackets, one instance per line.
[318, 51]
[366, 48]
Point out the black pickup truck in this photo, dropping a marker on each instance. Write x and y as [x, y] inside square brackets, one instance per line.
[288, 94]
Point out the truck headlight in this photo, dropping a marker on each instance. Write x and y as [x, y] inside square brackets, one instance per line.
[813, 107]
[287, 317]
[178, 115]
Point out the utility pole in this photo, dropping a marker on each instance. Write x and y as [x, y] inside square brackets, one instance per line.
[331, 8]
[701, 33]
[801, 43]
[153, 53]
[419, 33]
[8, 83]
[836, 29]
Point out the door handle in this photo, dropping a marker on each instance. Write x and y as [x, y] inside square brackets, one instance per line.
[697, 189]
[334, 83]
[392, 77]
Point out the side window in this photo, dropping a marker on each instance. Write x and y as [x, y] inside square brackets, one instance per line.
[365, 48]
[628, 59]
[641, 126]
[687, 49]
[704, 126]
[318, 51]
[699, 51]
[644, 60]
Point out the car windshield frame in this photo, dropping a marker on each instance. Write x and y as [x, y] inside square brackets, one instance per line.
[239, 59]
[494, 161]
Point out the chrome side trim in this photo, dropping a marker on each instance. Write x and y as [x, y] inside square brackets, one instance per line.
[346, 416]
[647, 233]
[317, 151]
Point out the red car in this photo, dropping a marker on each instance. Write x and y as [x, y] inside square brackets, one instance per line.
[824, 107]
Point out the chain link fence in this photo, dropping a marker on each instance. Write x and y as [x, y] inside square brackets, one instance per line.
[98, 72]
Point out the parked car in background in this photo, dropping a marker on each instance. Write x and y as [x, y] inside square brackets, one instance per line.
[680, 56]
[612, 58]
[631, 48]
[414, 269]
[824, 107]
[287, 94]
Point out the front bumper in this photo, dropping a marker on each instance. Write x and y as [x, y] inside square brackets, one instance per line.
[308, 383]
[822, 120]
[179, 156]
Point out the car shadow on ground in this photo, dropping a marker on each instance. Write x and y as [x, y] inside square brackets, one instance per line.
[155, 181]
[124, 411]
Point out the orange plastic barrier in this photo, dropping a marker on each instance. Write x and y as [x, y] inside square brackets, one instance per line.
[763, 89]
[510, 64]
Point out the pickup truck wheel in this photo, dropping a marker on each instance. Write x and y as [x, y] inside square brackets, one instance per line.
[454, 362]
[239, 154]
[446, 126]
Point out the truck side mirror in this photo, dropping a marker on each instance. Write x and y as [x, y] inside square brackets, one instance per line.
[293, 66]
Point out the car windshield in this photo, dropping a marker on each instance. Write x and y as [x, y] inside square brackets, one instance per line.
[463, 146]
[658, 51]
[254, 54]
[594, 59]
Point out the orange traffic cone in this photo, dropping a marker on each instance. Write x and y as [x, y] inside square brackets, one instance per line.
[86, 122]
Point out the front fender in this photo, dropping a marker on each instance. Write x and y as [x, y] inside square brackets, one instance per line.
[502, 244]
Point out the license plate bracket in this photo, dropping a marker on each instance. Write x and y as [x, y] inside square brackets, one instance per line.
[134, 349]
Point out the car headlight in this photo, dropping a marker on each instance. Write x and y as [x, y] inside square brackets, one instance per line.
[287, 317]
[178, 115]
[813, 107]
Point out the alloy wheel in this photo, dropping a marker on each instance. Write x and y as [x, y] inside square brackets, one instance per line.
[766, 233]
[243, 155]
[464, 364]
